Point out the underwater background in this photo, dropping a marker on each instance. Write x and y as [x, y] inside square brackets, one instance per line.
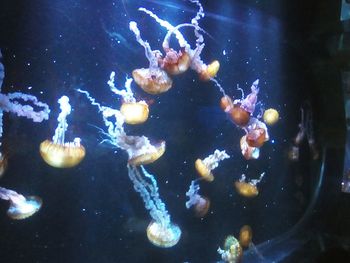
[91, 213]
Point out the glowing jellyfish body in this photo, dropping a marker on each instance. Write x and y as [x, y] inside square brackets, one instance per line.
[148, 157]
[248, 152]
[257, 133]
[58, 153]
[226, 104]
[135, 112]
[232, 252]
[204, 167]
[152, 80]
[248, 188]
[209, 71]
[271, 116]
[245, 236]
[175, 63]
[201, 204]
[20, 207]
[163, 236]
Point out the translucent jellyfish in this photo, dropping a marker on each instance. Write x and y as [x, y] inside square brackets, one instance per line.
[20, 207]
[242, 109]
[161, 231]
[139, 148]
[12, 103]
[248, 188]
[257, 133]
[270, 116]
[201, 204]
[153, 79]
[248, 152]
[59, 153]
[245, 236]
[204, 167]
[232, 252]
[134, 112]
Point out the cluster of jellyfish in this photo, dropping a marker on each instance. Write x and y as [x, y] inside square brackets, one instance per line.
[154, 79]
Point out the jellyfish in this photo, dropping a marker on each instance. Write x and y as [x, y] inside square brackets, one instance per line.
[177, 62]
[161, 232]
[59, 153]
[257, 133]
[139, 148]
[134, 112]
[232, 252]
[248, 188]
[201, 204]
[242, 109]
[245, 240]
[20, 207]
[153, 79]
[12, 103]
[204, 167]
[271, 116]
[248, 152]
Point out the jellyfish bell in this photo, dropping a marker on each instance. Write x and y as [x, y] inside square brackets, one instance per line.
[152, 80]
[232, 245]
[163, 236]
[239, 115]
[65, 155]
[148, 157]
[245, 236]
[226, 104]
[203, 170]
[246, 189]
[209, 71]
[3, 164]
[256, 137]
[271, 116]
[248, 152]
[22, 210]
[201, 208]
[135, 112]
[175, 63]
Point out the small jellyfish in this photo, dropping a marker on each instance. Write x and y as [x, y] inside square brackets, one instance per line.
[245, 236]
[208, 72]
[226, 104]
[232, 252]
[248, 188]
[3, 163]
[257, 133]
[270, 116]
[204, 167]
[58, 153]
[148, 157]
[20, 207]
[201, 204]
[163, 236]
[248, 152]
[134, 112]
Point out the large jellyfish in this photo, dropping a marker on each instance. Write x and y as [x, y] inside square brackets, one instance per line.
[20, 207]
[59, 153]
[161, 231]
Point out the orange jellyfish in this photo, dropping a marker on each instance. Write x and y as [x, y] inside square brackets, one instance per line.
[20, 207]
[153, 79]
[226, 104]
[204, 167]
[134, 112]
[257, 133]
[232, 251]
[174, 62]
[245, 236]
[248, 188]
[58, 153]
[271, 116]
[201, 204]
[153, 153]
[248, 152]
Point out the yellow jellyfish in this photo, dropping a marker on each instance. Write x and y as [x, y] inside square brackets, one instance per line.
[135, 112]
[163, 236]
[248, 188]
[204, 167]
[210, 71]
[152, 80]
[271, 116]
[58, 153]
[148, 157]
